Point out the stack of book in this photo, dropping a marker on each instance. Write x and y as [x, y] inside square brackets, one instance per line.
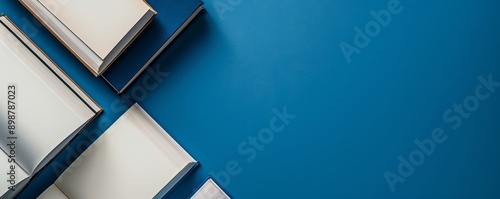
[44, 109]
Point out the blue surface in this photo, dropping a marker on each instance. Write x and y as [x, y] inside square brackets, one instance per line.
[231, 69]
[170, 17]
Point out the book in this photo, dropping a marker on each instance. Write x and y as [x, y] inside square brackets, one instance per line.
[95, 31]
[173, 16]
[210, 190]
[134, 158]
[42, 109]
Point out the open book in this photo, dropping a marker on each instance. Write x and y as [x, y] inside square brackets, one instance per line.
[134, 158]
[42, 109]
[95, 31]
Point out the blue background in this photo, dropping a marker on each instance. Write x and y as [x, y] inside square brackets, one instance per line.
[229, 70]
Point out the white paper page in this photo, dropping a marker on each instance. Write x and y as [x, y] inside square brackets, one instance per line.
[122, 163]
[210, 190]
[100, 24]
[53, 192]
[42, 118]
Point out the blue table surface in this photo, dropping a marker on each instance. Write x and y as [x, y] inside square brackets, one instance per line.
[425, 74]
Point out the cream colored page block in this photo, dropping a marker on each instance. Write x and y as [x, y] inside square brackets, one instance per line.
[43, 119]
[210, 190]
[100, 24]
[123, 163]
[53, 192]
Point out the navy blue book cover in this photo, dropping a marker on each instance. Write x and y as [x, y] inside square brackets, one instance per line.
[171, 17]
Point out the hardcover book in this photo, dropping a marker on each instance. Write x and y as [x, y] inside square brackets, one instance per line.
[210, 190]
[173, 16]
[95, 31]
[134, 158]
[42, 109]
